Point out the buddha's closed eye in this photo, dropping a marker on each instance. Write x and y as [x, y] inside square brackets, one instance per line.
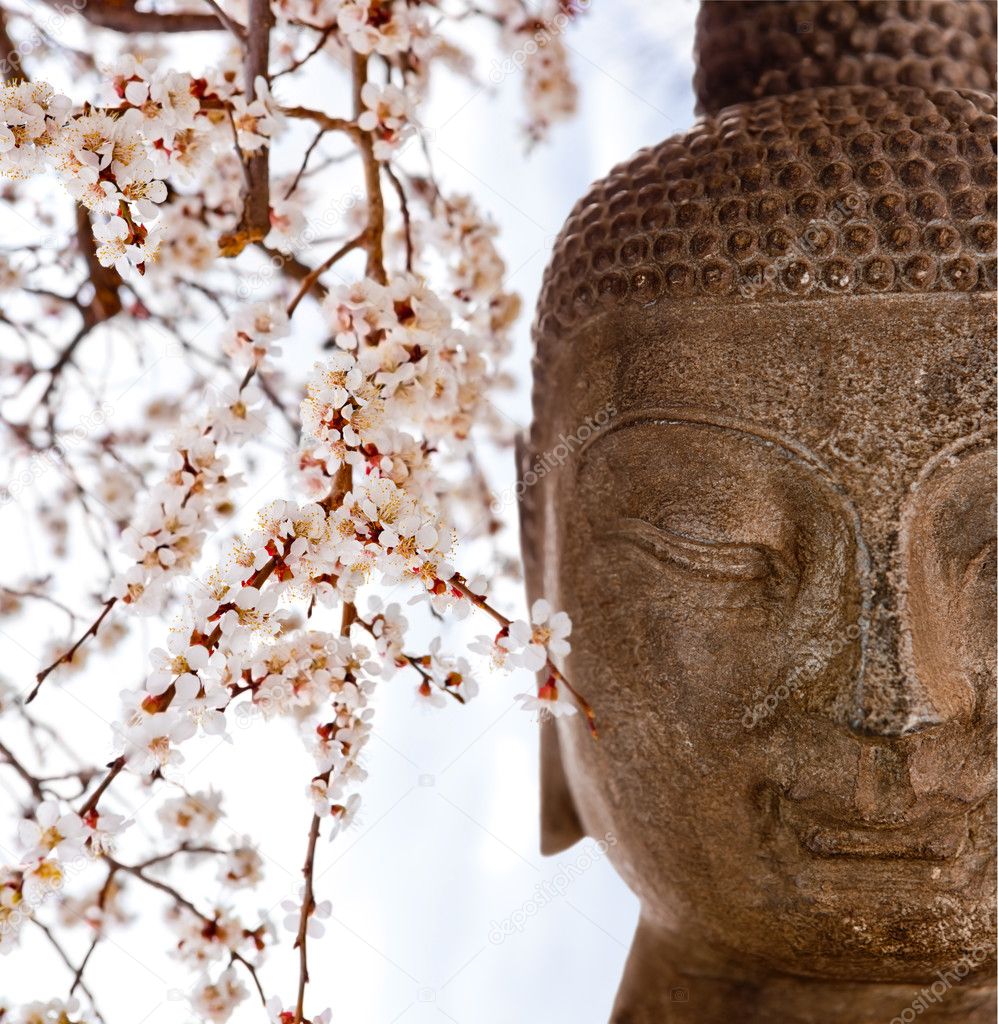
[711, 559]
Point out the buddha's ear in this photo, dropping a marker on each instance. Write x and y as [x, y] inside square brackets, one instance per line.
[560, 824]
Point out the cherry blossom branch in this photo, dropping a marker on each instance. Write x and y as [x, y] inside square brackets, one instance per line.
[6, 49]
[34, 784]
[165, 699]
[67, 656]
[233, 26]
[461, 586]
[77, 981]
[115, 768]
[385, 420]
[406, 215]
[122, 16]
[254, 224]
[324, 34]
[341, 488]
[372, 180]
[35, 595]
[324, 121]
[256, 211]
[136, 871]
[314, 275]
[307, 907]
[77, 971]
[106, 281]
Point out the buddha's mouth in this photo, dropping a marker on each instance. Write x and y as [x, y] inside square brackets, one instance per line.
[935, 837]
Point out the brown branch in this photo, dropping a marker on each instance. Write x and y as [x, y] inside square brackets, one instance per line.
[155, 883]
[458, 582]
[121, 16]
[254, 224]
[35, 595]
[324, 34]
[67, 656]
[106, 280]
[106, 301]
[341, 486]
[233, 26]
[183, 848]
[7, 51]
[373, 241]
[34, 784]
[64, 957]
[115, 768]
[136, 871]
[304, 163]
[288, 264]
[324, 121]
[240, 959]
[313, 275]
[372, 181]
[406, 216]
[307, 905]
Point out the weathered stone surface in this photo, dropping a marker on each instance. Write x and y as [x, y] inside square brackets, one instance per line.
[779, 552]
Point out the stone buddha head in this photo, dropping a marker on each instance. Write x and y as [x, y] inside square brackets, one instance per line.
[768, 346]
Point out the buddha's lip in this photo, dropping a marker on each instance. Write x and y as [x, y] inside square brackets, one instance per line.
[936, 837]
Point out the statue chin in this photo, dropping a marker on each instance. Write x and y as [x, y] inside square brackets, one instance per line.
[768, 347]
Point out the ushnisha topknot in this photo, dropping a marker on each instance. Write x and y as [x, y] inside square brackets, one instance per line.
[746, 51]
[838, 189]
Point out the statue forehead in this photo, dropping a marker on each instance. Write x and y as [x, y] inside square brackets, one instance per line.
[848, 378]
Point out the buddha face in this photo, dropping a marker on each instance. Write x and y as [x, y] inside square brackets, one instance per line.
[779, 558]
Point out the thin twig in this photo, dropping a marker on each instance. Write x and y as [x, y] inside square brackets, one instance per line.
[233, 26]
[38, 791]
[406, 217]
[314, 275]
[67, 656]
[341, 486]
[64, 957]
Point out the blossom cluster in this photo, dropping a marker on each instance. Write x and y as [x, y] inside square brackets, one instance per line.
[389, 410]
[55, 841]
[115, 158]
[169, 529]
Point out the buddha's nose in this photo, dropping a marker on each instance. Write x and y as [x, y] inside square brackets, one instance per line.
[893, 692]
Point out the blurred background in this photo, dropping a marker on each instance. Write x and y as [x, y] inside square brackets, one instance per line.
[442, 907]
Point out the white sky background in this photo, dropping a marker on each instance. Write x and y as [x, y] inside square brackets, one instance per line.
[447, 844]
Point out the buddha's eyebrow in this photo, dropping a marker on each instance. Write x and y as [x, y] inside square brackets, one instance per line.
[684, 416]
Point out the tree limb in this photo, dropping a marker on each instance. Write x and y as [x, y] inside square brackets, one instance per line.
[121, 16]
[254, 224]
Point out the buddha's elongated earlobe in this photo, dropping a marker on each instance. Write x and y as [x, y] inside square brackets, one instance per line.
[560, 824]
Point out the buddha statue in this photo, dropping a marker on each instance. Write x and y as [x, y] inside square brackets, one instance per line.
[778, 548]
